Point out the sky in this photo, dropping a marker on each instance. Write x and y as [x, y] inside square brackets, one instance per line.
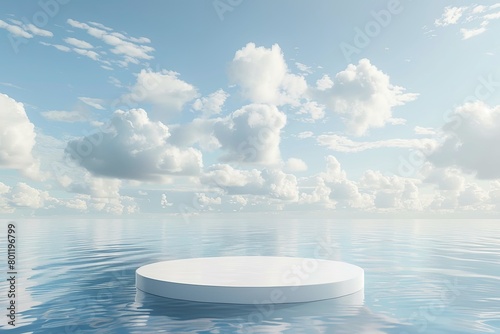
[151, 108]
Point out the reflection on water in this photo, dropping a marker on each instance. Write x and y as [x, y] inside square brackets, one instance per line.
[420, 276]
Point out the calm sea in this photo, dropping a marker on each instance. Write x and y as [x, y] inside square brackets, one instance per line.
[421, 276]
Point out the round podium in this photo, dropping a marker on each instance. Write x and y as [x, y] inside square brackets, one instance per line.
[250, 279]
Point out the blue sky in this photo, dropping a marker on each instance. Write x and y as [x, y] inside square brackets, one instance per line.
[148, 108]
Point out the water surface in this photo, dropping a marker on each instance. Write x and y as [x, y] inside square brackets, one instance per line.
[421, 276]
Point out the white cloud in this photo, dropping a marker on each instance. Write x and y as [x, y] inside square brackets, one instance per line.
[319, 195]
[212, 104]
[205, 200]
[66, 116]
[37, 31]
[134, 147]
[445, 178]
[239, 199]
[471, 195]
[251, 134]
[424, 131]
[270, 182]
[233, 180]
[364, 97]
[344, 193]
[87, 53]
[164, 202]
[396, 121]
[305, 134]
[392, 191]
[324, 83]
[101, 195]
[263, 76]
[78, 43]
[313, 109]
[479, 9]
[472, 144]
[59, 47]
[19, 29]
[304, 68]
[163, 89]
[15, 30]
[494, 194]
[469, 33]
[22, 195]
[344, 144]
[451, 15]
[295, 165]
[77, 204]
[476, 18]
[17, 135]
[132, 50]
[5, 206]
[94, 103]
[492, 16]
[281, 185]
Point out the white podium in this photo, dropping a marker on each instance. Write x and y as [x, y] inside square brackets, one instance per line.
[250, 279]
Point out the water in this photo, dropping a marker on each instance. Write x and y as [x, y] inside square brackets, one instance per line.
[426, 276]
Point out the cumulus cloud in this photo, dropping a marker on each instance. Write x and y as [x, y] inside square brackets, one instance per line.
[472, 195]
[469, 197]
[270, 182]
[205, 200]
[17, 135]
[23, 195]
[472, 143]
[320, 194]
[212, 104]
[251, 134]
[344, 144]
[295, 165]
[239, 200]
[363, 96]
[343, 192]
[445, 178]
[5, 206]
[76, 204]
[332, 189]
[232, 180]
[391, 191]
[100, 195]
[263, 76]
[134, 147]
[163, 89]
[314, 110]
[324, 83]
